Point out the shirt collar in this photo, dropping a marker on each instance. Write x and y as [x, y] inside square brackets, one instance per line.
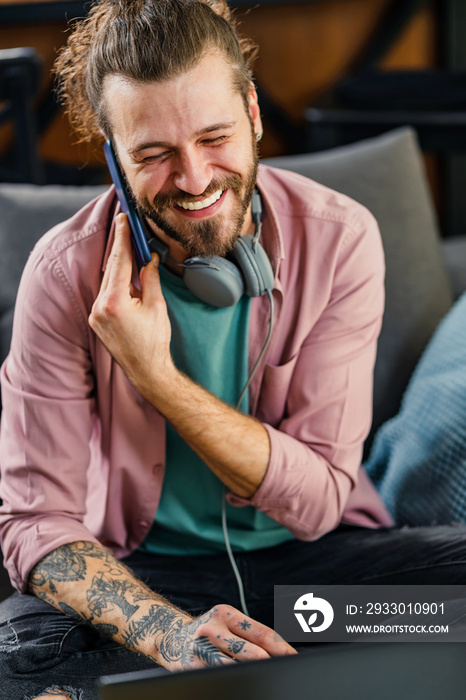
[272, 237]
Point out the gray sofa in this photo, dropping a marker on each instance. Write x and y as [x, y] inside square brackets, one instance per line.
[424, 274]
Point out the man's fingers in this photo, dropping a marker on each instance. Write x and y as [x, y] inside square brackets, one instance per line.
[258, 634]
[240, 649]
[239, 636]
[269, 640]
[222, 647]
[150, 281]
[120, 262]
[208, 652]
[119, 270]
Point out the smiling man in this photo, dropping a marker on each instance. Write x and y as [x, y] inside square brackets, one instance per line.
[133, 423]
[195, 181]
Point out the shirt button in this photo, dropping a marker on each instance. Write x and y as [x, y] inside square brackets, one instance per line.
[157, 467]
[143, 523]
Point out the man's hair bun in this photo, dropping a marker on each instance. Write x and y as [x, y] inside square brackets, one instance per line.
[146, 41]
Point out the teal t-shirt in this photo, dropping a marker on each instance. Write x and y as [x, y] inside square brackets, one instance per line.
[210, 345]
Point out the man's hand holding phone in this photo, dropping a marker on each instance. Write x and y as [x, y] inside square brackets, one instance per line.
[133, 324]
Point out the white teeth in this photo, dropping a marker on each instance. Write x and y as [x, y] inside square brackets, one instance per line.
[195, 206]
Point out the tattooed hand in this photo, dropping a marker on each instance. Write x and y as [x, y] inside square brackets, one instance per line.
[221, 636]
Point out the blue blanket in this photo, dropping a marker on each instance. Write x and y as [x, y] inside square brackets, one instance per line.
[418, 459]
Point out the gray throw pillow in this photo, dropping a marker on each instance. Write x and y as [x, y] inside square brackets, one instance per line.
[386, 174]
[26, 213]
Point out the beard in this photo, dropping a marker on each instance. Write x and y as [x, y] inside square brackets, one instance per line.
[210, 237]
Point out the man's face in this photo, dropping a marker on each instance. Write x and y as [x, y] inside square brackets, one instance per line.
[188, 150]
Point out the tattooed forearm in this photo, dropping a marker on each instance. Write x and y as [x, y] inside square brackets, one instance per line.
[106, 593]
[44, 596]
[64, 564]
[106, 630]
[86, 583]
[159, 619]
[71, 612]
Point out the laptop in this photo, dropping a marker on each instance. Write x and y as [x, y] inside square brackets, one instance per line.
[378, 671]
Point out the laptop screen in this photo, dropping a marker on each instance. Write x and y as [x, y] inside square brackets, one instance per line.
[396, 671]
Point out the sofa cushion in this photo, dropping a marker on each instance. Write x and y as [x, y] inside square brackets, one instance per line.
[454, 251]
[386, 174]
[26, 213]
[418, 459]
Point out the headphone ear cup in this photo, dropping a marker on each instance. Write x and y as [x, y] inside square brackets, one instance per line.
[253, 262]
[214, 280]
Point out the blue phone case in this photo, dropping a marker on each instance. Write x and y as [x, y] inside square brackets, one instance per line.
[140, 245]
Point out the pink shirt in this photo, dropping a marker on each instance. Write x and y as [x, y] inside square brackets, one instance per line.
[82, 455]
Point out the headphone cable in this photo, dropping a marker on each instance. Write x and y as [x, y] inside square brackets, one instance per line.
[231, 557]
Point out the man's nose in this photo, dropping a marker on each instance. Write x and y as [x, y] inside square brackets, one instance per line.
[193, 174]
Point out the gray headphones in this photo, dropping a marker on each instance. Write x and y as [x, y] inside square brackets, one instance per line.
[222, 282]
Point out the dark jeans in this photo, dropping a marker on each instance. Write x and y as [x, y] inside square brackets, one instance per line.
[40, 648]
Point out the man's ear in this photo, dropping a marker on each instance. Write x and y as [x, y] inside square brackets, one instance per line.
[254, 110]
